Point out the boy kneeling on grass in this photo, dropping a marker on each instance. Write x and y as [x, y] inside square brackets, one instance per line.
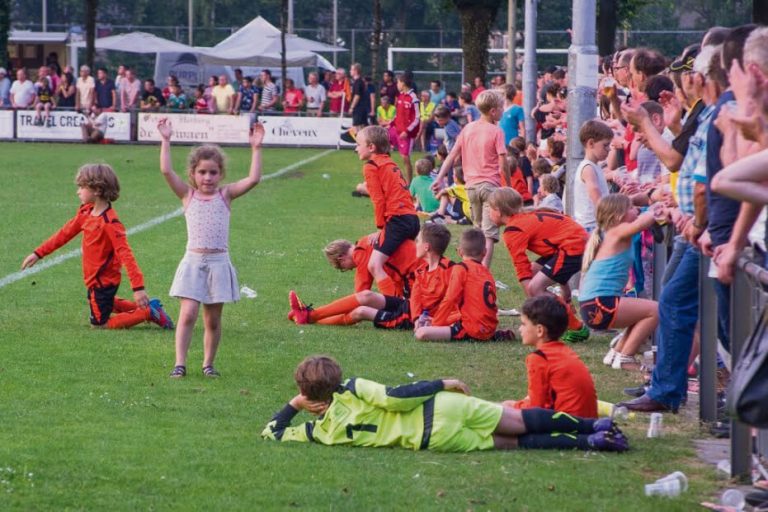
[436, 415]
[557, 378]
[468, 310]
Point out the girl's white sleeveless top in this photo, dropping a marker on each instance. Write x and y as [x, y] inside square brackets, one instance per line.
[207, 223]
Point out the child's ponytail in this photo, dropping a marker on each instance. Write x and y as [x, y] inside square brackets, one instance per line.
[610, 210]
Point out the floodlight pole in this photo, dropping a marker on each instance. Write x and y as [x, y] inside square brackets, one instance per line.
[45, 15]
[290, 16]
[189, 20]
[529, 69]
[512, 43]
[335, 27]
[582, 87]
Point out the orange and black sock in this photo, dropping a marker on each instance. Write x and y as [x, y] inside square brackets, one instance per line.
[126, 320]
[337, 307]
[345, 319]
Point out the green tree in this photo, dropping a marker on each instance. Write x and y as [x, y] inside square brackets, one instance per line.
[5, 27]
[91, 8]
[477, 18]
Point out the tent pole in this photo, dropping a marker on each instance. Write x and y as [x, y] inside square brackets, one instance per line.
[335, 27]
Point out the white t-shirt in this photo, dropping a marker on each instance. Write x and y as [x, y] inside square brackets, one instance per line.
[23, 93]
[315, 95]
[583, 209]
[86, 89]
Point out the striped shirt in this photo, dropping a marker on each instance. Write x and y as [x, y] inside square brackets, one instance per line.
[695, 157]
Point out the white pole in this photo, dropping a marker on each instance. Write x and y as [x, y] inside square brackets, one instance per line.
[511, 31]
[290, 16]
[190, 17]
[582, 87]
[529, 70]
[335, 28]
[45, 15]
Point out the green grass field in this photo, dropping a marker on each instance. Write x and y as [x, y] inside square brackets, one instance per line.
[91, 421]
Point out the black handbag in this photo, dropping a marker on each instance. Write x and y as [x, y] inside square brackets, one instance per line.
[748, 391]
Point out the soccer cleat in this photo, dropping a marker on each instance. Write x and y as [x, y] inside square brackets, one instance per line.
[577, 335]
[158, 314]
[607, 441]
[504, 335]
[299, 311]
[606, 425]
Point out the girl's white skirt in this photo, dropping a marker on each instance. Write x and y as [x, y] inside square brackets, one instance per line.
[206, 278]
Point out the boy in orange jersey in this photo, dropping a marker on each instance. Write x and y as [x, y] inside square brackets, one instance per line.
[429, 281]
[393, 208]
[468, 309]
[557, 378]
[480, 145]
[105, 251]
[556, 238]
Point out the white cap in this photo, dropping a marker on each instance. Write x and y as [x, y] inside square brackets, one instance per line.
[3, 71]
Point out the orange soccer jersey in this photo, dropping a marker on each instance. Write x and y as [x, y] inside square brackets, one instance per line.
[387, 188]
[429, 288]
[105, 248]
[471, 299]
[518, 183]
[559, 380]
[544, 233]
[397, 267]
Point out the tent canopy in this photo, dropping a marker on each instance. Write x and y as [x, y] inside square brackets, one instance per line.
[258, 44]
[139, 42]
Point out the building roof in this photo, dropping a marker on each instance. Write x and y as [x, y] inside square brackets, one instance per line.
[28, 36]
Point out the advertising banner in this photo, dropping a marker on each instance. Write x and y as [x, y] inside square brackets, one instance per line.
[307, 131]
[65, 125]
[6, 124]
[201, 129]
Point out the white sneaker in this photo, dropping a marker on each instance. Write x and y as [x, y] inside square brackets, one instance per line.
[609, 357]
[616, 339]
[621, 359]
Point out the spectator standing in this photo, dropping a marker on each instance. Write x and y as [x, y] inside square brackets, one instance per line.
[152, 97]
[86, 90]
[315, 94]
[130, 92]
[22, 91]
[65, 94]
[469, 111]
[359, 107]
[340, 92]
[327, 79]
[512, 119]
[247, 97]
[450, 127]
[426, 120]
[479, 87]
[119, 79]
[388, 86]
[224, 96]
[106, 93]
[5, 89]
[293, 98]
[436, 92]
[269, 92]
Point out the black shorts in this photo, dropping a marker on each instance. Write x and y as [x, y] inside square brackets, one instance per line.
[600, 312]
[395, 315]
[359, 118]
[560, 267]
[101, 302]
[397, 230]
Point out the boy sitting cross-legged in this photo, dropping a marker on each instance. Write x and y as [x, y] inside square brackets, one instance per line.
[428, 283]
[556, 238]
[557, 378]
[468, 310]
[427, 415]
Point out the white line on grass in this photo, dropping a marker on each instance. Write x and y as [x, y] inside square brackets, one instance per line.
[61, 258]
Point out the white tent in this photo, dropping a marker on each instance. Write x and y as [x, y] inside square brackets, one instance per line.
[258, 44]
[138, 42]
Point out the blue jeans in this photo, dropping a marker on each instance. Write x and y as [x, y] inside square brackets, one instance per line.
[678, 248]
[723, 292]
[678, 314]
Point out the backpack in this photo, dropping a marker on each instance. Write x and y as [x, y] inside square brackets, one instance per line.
[748, 390]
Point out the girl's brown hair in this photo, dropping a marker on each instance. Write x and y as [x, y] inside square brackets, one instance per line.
[100, 178]
[610, 210]
[207, 152]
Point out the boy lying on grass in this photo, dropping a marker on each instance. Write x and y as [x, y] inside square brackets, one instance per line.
[436, 415]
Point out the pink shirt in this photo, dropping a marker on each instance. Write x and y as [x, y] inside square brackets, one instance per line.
[481, 143]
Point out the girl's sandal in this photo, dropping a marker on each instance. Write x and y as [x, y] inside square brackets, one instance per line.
[178, 372]
[210, 371]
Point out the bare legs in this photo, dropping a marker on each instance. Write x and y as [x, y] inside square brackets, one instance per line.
[186, 325]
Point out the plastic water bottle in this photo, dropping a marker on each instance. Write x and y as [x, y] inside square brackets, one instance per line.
[654, 427]
[679, 476]
[666, 488]
[424, 318]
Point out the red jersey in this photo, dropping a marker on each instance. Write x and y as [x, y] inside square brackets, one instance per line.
[428, 289]
[518, 183]
[543, 233]
[559, 380]
[387, 188]
[398, 267]
[105, 248]
[407, 113]
[339, 86]
[471, 298]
